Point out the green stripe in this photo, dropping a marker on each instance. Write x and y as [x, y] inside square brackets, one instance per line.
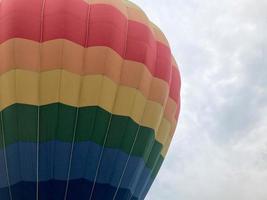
[57, 122]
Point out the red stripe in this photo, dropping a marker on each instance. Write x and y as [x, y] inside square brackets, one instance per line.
[108, 27]
[175, 84]
[65, 19]
[22, 20]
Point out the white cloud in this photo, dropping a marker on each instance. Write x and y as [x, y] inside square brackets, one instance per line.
[220, 148]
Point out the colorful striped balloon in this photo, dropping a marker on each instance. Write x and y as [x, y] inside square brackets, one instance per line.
[89, 97]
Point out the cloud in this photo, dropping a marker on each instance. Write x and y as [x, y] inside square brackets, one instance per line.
[220, 148]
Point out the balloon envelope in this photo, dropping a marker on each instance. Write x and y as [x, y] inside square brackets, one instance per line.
[89, 97]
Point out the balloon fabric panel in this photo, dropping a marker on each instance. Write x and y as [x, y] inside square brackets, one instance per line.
[89, 100]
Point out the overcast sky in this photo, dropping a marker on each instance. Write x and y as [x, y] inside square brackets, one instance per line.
[220, 148]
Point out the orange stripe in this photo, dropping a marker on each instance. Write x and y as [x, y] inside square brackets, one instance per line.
[63, 54]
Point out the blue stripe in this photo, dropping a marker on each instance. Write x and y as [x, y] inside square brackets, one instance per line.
[54, 162]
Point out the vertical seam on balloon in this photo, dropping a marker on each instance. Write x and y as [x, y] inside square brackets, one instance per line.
[16, 110]
[136, 135]
[5, 156]
[111, 115]
[130, 152]
[149, 182]
[143, 191]
[38, 96]
[100, 159]
[126, 164]
[158, 156]
[4, 142]
[129, 155]
[104, 142]
[79, 94]
[58, 110]
[125, 168]
[106, 55]
[171, 132]
[150, 176]
[164, 106]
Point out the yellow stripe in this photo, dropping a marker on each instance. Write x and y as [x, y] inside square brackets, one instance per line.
[165, 127]
[63, 54]
[132, 74]
[166, 146]
[167, 143]
[21, 86]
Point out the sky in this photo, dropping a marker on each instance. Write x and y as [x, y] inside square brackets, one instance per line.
[219, 151]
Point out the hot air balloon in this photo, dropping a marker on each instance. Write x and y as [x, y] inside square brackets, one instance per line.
[89, 97]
